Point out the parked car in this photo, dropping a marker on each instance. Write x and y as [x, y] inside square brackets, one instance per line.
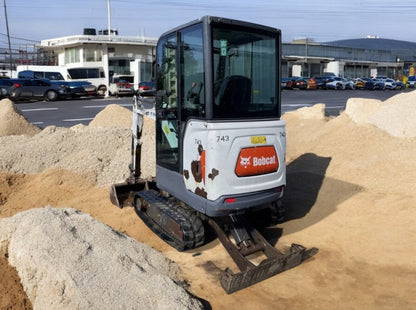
[349, 84]
[359, 83]
[147, 88]
[300, 83]
[390, 84]
[337, 82]
[400, 85]
[287, 83]
[321, 81]
[379, 84]
[333, 84]
[368, 83]
[77, 89]
[311, 83]
[5, 85]
[121, 85]
[38, 74]
[411, 81]
[37, 89]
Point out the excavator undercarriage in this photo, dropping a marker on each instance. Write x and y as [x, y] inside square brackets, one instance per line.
[183, 228]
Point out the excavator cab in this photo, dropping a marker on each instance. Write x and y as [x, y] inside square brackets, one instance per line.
[220, 144]
[218, 93]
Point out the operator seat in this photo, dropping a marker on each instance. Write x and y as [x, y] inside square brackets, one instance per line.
[234, 96]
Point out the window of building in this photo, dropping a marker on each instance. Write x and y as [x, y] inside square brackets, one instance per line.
[72, 55]
[91, 55]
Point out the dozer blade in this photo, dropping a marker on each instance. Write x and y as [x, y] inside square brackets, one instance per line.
[232, 282]
[248, 241]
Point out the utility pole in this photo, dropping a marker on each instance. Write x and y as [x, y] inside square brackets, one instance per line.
[109, 19]
[8, 38]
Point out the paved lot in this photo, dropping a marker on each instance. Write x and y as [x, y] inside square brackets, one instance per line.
[71, 112]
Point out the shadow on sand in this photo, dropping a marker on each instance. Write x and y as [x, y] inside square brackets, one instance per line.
[310, 191]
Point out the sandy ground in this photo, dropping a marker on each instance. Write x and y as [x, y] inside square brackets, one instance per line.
[350, 192]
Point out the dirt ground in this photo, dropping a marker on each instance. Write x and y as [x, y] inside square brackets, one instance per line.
[350, 192]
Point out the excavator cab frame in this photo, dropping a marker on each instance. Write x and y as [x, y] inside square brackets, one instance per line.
[216, 72]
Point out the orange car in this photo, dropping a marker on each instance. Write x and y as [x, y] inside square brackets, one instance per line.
[359, 84]
[311, 83]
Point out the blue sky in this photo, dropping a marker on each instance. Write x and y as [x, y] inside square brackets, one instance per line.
[321, 20]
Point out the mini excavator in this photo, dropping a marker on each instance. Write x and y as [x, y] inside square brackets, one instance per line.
[220, 145]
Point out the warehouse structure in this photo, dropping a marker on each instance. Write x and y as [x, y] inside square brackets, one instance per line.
[118, 54]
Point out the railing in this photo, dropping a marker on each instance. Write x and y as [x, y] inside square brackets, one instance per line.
[98, 39]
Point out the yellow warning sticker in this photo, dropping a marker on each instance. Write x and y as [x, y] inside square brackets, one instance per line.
[166, 129]
[258, 140]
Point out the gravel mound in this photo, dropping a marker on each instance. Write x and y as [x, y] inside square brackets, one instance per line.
[63, 265]
[12, 122]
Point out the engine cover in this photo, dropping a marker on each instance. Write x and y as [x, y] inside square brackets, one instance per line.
[231, 158]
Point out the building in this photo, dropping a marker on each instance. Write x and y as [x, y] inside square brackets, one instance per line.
[371, 56]
[115, 54]
[134, 55]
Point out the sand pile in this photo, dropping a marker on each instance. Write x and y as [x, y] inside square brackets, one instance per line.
[101, 151]
[60, 166]
[396, 115]
[362, 139]
[65, 266]
[112, 115]
[12, 122]
[350, 192]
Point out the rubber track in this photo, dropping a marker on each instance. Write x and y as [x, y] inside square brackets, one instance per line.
[196, 223]
[191, 225]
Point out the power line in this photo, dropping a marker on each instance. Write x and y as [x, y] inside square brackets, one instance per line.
[16, 38]
[8, 36]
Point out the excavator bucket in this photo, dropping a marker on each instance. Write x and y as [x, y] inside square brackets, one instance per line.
[122, 194]
[248, 241]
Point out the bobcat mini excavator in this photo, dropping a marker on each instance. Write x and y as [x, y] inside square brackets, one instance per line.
[220, 145]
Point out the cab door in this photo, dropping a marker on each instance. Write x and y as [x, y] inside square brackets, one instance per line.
[167, 118]
[180, 92]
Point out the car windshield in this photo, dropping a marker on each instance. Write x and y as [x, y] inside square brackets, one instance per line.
[245, 73]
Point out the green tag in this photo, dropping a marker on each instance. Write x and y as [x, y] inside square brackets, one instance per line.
[223, 46]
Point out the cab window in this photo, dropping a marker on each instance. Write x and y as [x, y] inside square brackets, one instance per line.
[192, 73]
[167, 123]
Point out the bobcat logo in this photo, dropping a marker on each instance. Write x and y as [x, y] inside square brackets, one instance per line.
[245, 161]
[256, 161]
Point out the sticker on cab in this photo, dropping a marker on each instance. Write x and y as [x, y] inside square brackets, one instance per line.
[258, 139]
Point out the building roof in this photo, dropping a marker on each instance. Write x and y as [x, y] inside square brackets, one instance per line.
[403, 50]
[375, 43]
[98, 39]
